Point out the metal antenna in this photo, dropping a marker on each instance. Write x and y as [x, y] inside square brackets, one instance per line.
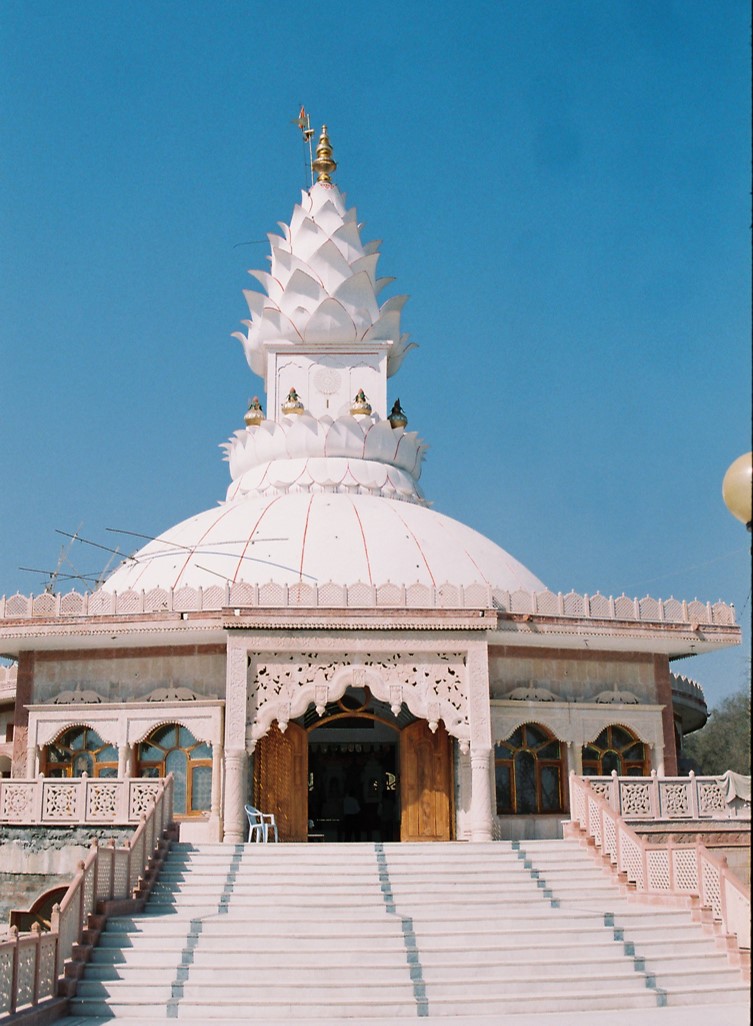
[62, 558]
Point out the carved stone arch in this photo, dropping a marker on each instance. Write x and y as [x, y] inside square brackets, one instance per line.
[552, 724]
[169, 721]
[596, 725]
[56, 732]
[555, 720]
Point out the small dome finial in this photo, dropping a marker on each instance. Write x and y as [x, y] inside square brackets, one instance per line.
[324, 165]
[397, 416]
[254, 414]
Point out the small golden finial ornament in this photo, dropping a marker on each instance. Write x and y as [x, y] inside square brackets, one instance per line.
[254, 414]
[292, 404]
[324, 165]
[360, 407]
[397, 416]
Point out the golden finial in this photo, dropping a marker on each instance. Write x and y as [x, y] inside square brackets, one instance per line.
[324, 165]
[254, 414]
[360, 407]
[292, 404]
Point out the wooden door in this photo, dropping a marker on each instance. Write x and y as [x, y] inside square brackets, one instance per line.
[281, 779]
[425, 783]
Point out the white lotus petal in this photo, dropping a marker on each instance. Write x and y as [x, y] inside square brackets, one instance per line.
[302, 290]
[385, 328]
[331, 266]
[255, 301]
[381, 283]
[307, 238]
[330, 321]
[381, 443]
[271, 285]
[367, 264]
[345, 438]
[328, 217]
[371, 247]
[357, 296]
[348, 241]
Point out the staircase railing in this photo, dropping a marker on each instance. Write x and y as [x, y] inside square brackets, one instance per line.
[672, 869]
[31, 964]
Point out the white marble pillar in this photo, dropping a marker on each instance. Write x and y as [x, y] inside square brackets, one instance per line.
[574, 758]
[479, 715]
[32, 760]
[481, 795]
[216, 779]
[656, 756]
[124, 760]
[236, 759]
[236, 774]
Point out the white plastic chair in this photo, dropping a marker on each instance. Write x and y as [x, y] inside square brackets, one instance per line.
[260, 825]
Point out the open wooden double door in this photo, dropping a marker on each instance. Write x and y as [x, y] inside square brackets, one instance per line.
[281, 782]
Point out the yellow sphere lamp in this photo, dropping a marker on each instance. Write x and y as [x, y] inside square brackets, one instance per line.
[737, 488]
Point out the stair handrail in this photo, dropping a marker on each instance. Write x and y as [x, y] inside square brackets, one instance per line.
[31, 964]
[689, 870]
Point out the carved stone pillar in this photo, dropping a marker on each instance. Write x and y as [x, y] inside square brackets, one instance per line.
[236, 775]
[479, 715]
[236, 759]
[32, 760]
[124, 760]
[656, 755]
[216, 779]
[481, 795]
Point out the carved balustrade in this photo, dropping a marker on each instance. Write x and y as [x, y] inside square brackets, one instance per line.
[76, 801]
[671, 798]
[31, 964]
[689, 870]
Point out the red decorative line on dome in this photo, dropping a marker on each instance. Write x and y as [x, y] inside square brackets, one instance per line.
[303, 541]
[418, 546]
[365, 546]
[251, 535]
[193, 548]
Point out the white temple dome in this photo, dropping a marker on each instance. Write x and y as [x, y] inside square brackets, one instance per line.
[318, 538]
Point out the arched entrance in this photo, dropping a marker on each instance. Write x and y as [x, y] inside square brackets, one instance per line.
[356, 773]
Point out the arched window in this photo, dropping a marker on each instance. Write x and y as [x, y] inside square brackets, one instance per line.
[528, 771]
[80, 750]
[174, 749]
[616, 748]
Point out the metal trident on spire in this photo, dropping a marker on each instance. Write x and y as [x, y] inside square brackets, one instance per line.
[303, 122]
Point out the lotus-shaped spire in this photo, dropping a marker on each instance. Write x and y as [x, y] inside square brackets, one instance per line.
[321, 285]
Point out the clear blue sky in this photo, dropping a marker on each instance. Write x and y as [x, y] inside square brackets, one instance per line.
[562, 187]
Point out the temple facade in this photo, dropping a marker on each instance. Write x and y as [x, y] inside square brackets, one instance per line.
[322, 642]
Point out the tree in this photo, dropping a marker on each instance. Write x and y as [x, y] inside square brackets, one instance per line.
[724, 742]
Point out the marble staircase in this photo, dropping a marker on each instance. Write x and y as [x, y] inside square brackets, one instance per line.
[386, 932]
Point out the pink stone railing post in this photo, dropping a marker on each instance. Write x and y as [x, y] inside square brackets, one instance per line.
[31, 964]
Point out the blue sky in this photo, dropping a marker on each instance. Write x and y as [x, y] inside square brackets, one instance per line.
[563, 188]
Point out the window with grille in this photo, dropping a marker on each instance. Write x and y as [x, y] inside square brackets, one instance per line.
[174, 749]
[616, 748]
[528, 772]
[77, 751]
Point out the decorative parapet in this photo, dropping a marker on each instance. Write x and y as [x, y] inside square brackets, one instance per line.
[684, 686]
[8, 678]
[655, 798]
[76, 802]
[370, 596]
